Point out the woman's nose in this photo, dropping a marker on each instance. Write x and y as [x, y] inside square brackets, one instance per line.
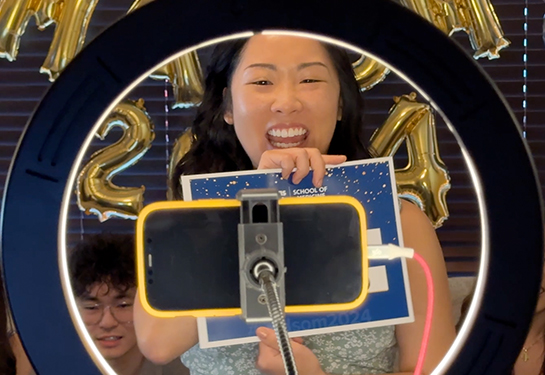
[286, 100]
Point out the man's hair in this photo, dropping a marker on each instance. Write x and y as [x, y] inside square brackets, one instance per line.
[103, 258]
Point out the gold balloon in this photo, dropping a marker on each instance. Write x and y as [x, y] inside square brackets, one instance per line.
[185, 74]
[181, 147]
[96, 194]
[476, 17]
[425, 179]
[483, 26]
[14, 17]
[369, 72]
[69, 38]
[71, 17]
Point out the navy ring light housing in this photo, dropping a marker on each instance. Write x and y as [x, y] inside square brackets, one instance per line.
[148, 36]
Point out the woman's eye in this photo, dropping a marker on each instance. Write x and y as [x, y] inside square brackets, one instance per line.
[310, 80]
[262, 82]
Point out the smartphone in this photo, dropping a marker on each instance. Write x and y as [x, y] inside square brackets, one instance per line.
[188, 264]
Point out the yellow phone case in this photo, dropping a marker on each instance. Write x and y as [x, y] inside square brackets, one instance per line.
[218, 203]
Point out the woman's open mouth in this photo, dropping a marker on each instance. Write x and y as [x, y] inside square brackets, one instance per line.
[287, 137]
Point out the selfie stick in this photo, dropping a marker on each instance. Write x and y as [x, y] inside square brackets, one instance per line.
[261, 262]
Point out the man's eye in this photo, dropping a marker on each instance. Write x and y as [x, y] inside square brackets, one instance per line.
[125, 305]
[91, 308]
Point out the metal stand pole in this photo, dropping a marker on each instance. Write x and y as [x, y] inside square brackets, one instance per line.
[261, 261]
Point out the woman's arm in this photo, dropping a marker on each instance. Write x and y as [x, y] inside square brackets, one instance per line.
[419, 234]
[163, 339]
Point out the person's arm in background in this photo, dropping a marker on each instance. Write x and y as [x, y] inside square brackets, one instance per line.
[161, 340]
[22, 363]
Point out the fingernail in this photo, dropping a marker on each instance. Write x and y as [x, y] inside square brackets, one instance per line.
[261, 335]
[319, 183]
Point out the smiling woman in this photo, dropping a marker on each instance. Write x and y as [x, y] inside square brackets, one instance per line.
[292, 102]
[255, 94]
[265, 100]
[34, 246]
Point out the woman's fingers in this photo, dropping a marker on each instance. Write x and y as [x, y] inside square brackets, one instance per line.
[317, 163]
[301, 163]
[274, 159]
[303, 160]
[298, 340]
[334, 159]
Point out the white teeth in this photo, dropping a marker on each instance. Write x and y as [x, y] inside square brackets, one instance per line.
[285, 133]
[285, 145]
[112, 338]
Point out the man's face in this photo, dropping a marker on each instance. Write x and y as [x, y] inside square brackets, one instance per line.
[107, 314]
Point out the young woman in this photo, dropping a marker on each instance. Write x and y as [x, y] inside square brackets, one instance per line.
[290, 102]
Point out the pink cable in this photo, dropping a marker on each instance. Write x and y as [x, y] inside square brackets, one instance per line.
[429, 315]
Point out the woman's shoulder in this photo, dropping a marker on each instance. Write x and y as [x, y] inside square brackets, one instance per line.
[418, 232]
[411, 214]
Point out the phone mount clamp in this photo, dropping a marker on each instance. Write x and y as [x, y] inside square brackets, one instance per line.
[261, 252]
[261, 261]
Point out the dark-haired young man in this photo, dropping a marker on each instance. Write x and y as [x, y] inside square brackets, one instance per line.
[102, 269]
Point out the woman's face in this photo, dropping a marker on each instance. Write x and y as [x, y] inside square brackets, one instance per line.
[284, 93]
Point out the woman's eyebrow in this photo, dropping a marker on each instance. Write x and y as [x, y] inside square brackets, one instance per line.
[299, 67]
[262, 65]
[313, 63]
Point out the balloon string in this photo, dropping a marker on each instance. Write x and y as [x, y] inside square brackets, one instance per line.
[525, 71]
[167, 139]
[81, 228]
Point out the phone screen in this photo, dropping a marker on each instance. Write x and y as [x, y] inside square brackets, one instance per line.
[191, 256]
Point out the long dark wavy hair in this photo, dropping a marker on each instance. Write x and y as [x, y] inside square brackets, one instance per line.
[216, 147]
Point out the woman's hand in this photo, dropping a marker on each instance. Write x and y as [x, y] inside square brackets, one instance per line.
[269, 360]
[301, 158]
